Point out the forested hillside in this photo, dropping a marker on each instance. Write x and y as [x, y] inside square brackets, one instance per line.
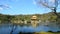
[43, 17]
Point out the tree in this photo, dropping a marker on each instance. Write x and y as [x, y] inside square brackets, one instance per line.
[51, 4]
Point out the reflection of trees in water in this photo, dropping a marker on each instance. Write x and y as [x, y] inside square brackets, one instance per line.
[51, 25]
[14, 27]
[26, 33]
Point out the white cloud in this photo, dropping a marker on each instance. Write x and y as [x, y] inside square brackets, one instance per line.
[1, 8]
[15, 0]
[6, 5]
[52, 1]
[34, 2]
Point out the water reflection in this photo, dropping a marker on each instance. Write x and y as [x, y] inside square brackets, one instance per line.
[6, 29]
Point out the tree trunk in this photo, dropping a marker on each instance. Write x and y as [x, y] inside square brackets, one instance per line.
[55, 12]
[12, 29]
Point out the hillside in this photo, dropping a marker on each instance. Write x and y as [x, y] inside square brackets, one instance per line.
[43, 17]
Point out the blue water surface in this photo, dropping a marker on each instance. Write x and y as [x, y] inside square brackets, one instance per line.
[6, 29]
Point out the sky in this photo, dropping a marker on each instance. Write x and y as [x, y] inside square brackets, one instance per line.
[16, 7]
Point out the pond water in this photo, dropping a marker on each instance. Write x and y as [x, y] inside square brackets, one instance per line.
[6, 29]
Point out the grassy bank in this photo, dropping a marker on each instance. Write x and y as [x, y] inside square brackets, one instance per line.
[41, 33]
[47, 33]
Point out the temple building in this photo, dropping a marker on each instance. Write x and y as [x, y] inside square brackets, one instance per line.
[34, 20]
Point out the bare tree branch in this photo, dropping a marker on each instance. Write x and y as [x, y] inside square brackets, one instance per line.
[46, 5]
[51, 4]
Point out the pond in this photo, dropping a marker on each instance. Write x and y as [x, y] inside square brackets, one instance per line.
[6, 29]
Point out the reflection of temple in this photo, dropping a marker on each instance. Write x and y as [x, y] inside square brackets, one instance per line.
[34, 20]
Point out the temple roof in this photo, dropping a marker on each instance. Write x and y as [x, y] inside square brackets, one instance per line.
[34, 17]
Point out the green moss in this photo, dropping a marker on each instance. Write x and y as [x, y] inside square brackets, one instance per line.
[47, 33]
